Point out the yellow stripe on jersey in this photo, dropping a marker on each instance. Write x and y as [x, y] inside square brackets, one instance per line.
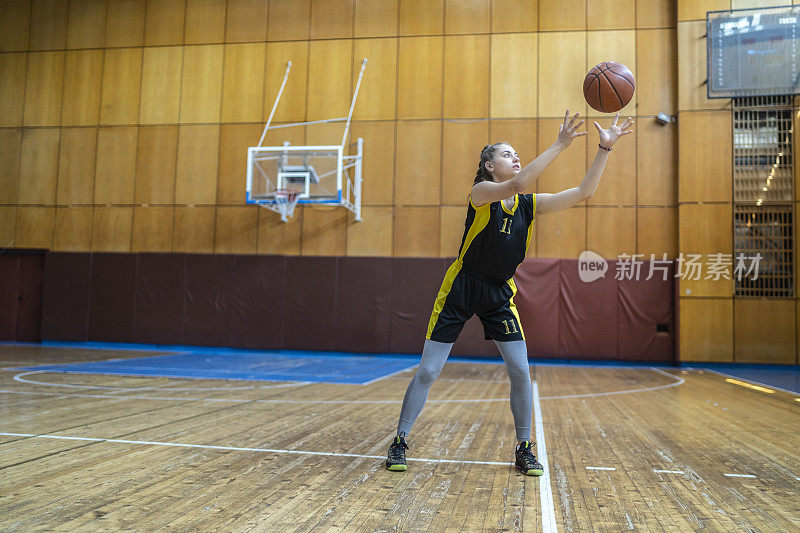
[530, 226]
[514, 307]
[447, 284]
[479, 222]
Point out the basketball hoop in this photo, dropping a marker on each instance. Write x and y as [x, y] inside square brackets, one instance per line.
[285, 200]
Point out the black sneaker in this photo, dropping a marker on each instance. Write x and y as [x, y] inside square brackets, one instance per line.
[526, 461]
[396, 460]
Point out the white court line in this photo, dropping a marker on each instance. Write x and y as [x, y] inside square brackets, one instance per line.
[242, 449]
[738, 475]
[669, 471]
[19, 378]
[545, 490]
[680, 381]
[797, 478]
[390, 375]
[600, 468]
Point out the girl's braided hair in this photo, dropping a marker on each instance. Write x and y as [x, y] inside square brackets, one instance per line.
[486, 155]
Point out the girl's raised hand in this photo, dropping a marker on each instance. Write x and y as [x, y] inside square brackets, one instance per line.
[568, 130]
[609, 136]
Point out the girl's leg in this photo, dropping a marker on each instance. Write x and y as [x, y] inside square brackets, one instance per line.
[515, 354]
[433, 357]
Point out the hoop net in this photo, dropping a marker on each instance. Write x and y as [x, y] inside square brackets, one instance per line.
[285, 201]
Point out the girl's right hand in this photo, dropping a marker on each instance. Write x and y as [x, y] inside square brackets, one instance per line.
[568, 130]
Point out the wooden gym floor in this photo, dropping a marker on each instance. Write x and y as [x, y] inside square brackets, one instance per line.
[627, 448]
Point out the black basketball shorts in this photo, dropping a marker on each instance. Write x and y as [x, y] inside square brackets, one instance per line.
[463, 295]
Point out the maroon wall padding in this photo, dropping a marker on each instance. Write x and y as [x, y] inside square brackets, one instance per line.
[158, 306]
[257, 303]
[65, 296]
[9, 296]
[111, 297]
[415, 284]
[309, 316]
[472, 341]
[207, 299]
[538, 303]
[29, 311]
[643, 305]
[588, 315]
[363, 304]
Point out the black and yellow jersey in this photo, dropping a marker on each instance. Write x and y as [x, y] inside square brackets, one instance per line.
[496, 238]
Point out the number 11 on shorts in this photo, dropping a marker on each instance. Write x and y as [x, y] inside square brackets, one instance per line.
[512, 328]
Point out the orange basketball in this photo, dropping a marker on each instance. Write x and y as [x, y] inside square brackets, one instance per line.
[608, 87]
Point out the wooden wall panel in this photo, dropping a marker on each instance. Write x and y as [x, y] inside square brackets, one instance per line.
[372, 237]
[705, 229]
[467, 16]
[451, 221]
[692, 69]
[610, 231]
[619, 46]
[377, 95]
[201, 86]
[413, 229]
[82, 81]
[111, 229]
[43, 88]
[48, 24]
[331, 19]
[8, 225]
[657, 232]
[38, 166]
[243, 84]
[86, 27]
[246, 21]
[155, 165]
[618, 184]
[325, 134]
[234, 140]
[419, 89]
[514, 66]
[462, 143]
[15, 25]
[421, 17]
[329, 75]
[466, 76]
[236, 230]
[563, 15]
[10, 150]
[13, 68]
[522, 134]
[657, 72]
[704, 145]
[324, 230]
[164, 22]
[116, 165]
[379, 161]
[205, 21]
[656, 14]
[376, 18]
[610, 14]
[656, 163]
[570, 166]
[76, 164]
[73, 229]
[749, 4]
[277, 237]
[152, 229]
[515, 15]
[764, 331]
[694, 10]
[562, 61]
[34, 227]
[417, 179]
[125, 23]
[193, 230]
[122, 74]
[161, 85]
[292, 107]
[706, 330]
[288, 20]
[198, 154]
[561, 234]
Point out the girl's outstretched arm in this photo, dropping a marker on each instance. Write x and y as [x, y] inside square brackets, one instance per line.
[548, 203]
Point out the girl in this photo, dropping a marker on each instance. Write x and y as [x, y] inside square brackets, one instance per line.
[496, 239]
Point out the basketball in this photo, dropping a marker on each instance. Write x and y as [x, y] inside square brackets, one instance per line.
[608, 87]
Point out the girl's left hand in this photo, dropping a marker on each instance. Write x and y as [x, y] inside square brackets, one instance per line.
[609, 137]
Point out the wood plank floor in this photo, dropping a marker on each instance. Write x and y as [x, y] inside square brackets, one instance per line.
[629, 448]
